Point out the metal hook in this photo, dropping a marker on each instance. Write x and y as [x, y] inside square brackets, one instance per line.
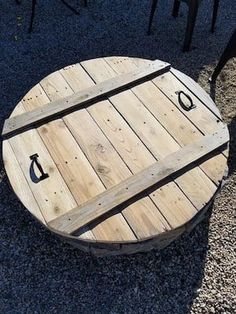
[34, 159]
[182, 104]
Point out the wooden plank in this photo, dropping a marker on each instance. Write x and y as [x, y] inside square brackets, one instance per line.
[200, 116]
[146, 219]
[74, 173]
[215, 168]
[176, 81]
[99, 151]
[166, 112]
[139, 215]
[187, 131]
[19, 182]
[189, 83]
[70, 160]
[37, 98]
[143, 216]
[91, 210]
[198, 197]
[156, 138]
[127, 97]
[180, 128]
[23, 186]
[111, 170]
[104, 158]
[126, 142]
[108, 123]
[52, 194]
[163, 199]
[93, 94]
[200, 93]
[148, 223]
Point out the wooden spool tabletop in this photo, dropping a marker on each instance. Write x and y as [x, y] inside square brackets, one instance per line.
[126, 172]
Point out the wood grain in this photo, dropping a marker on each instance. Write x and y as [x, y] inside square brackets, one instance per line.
[148, 130]
[80, 171]
[83, 98]
[111, 141]
[130, 187]
[164, 106]
[52, 195]
[101, 145]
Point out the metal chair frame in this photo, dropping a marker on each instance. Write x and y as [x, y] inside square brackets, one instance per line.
[34, 2]
[192, 14]
[229, 52]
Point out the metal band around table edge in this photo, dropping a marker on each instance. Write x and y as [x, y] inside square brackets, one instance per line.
[172, 164]
[84, 98]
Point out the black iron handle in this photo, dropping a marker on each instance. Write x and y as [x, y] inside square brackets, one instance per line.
[182, 104]
[34, 159]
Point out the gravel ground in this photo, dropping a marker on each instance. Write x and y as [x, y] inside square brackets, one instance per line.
[39, 273]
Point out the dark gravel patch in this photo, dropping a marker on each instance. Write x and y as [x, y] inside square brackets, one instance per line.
[39, 273]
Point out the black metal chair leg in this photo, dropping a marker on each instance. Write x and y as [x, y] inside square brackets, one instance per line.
[214, 16]
[18, 1]
[229, 52]
[70, 7]
[176, 6]
[192, 14]
[85, 3]
[32, 15]
[153, 9]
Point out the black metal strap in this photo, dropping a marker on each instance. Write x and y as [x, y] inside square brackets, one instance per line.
[182, 104]
[34, 159]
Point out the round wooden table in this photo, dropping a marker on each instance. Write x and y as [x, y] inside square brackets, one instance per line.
[127, 156]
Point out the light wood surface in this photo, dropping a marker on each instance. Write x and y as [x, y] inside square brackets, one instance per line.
[106, 201]
[52, 85]
[77, 100]
[98, 148]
